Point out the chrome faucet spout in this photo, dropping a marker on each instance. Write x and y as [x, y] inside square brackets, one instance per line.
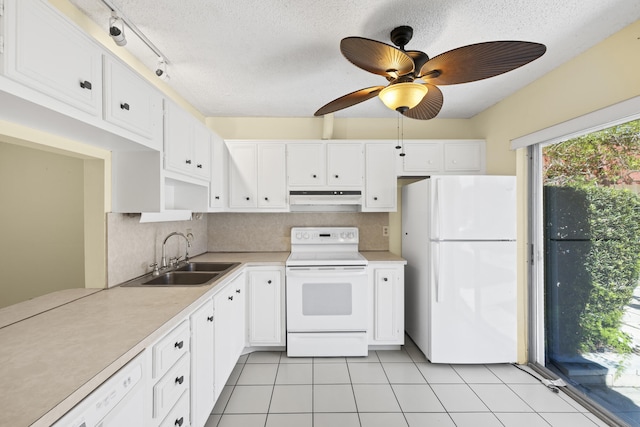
[163, 263]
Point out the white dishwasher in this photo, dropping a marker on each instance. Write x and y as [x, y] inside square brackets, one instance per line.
[119, 401]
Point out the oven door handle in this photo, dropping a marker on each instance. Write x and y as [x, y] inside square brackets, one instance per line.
[325, 271]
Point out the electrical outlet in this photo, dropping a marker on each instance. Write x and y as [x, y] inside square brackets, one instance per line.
[385, 231]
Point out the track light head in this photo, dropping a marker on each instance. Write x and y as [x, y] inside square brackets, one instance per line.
[116, 30]
[161, 70]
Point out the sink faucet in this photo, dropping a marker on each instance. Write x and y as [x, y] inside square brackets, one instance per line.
[186, 252]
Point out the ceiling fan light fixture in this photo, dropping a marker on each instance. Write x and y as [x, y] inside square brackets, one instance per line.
[403, 96]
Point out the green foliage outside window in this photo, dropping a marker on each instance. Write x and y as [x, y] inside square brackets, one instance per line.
[594, 282]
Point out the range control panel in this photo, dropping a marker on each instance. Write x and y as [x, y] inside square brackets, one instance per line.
[324, 235]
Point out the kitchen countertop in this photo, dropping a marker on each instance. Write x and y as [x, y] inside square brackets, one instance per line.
[383, 256]
[56, 357]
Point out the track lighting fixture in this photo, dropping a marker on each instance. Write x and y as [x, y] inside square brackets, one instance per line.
[161, 70]
[116, 29]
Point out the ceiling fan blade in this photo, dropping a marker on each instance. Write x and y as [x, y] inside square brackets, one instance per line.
[429, 107]
[348, 100]
[376, 57]
[479, 61]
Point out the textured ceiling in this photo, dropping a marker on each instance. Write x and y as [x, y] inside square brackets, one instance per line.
[281, 58]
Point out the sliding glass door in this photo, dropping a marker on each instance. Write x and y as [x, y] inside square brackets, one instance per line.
[586, 205]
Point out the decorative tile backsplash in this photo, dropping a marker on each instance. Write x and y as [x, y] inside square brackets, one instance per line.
[266, 232]
[132, 246]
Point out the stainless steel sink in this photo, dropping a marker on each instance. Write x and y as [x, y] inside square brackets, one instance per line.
[190, 274]
[207, 266]
[180, 278]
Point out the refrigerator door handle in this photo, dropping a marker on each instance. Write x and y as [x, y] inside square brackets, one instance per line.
[437, 215]
[436, 271]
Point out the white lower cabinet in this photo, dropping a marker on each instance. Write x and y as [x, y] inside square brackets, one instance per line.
[202, 380]
[266, 306]
[171, 372]
[179, 415]
[229, 330]
[386, 286]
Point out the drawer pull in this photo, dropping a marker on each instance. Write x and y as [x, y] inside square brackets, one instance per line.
[199, 166]
[180, 379]
[179, 344]
[124, 106]
[385, 279]
[231, 298]
[237, 291]
[188, 161]
[85, 85]
[209, 318]
[269, 281]
[179, 422]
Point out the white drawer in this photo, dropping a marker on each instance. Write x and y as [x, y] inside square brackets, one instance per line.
[179, 415]
[169, 389]
[170, 348]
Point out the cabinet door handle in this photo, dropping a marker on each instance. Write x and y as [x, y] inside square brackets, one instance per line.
[209, 318]
[314, 175]
[188, 161]
[179, 422]
[385, 279]
[199, 166]
[179, 344]
[217, 197]
[337, 176]
[124, 106]
[85, 85]
[247, 198]
[231, 298]
[266, 199]
[237, 291]
[269, 282]
[180, 379]
[375, 198]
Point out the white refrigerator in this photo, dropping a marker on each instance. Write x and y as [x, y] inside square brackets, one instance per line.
[459, 240]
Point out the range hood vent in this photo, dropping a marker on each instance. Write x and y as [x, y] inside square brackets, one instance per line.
[325, 201]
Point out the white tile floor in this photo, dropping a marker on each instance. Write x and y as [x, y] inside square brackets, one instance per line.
[387, 389]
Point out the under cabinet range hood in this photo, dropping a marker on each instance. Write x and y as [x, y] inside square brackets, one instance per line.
[325, 201]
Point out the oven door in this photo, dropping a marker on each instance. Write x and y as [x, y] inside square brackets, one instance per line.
[326, 299]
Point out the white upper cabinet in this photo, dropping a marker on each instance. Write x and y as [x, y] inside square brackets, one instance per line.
[132, 103]
[243, 176]
[272, 176]
[380, 188]
[257, 176]
[218, 184]
[344, 164]
[306, 164]
[441, 157]
[51, 56]
[464, 156]
[187, 143]
[314, 164]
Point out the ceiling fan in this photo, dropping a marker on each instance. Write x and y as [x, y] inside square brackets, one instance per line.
[404, 69]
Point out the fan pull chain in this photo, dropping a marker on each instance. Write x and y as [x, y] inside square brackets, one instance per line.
[402, 154]
[398, 132]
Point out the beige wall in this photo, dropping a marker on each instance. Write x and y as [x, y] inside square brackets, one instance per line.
[41, 223]
[54, 194]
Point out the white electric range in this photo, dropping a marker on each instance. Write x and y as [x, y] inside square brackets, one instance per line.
[326, 293]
